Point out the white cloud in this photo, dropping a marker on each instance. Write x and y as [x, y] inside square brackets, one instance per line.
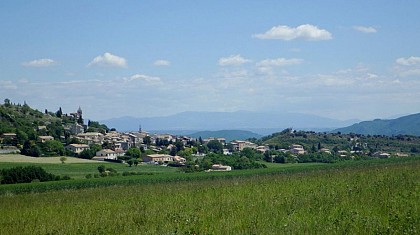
[408, 61]
[7, 85]
[305, 31]
[365, 29]
[143, 77]
[162, 63]
[108, 60]
[279, 62]
[233, 60]
[409, 72]
[39, 63]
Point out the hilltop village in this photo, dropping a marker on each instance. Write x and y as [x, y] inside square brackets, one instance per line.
[34, 133]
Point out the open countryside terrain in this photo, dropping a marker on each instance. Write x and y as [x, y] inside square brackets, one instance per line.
[76, 168]
[363, 197]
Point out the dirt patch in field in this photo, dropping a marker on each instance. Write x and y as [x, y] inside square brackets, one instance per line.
[22, 158]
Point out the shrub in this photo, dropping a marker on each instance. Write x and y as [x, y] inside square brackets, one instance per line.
[25, 175]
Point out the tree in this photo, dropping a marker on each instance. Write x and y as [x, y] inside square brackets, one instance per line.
[101, 169]
[173, 151]
[63, 159]
[136, 162]
[7, 102]
[59, 113]
[25, 174]
[215, 146]
[130, 162]
[147, 140]
[133, 152]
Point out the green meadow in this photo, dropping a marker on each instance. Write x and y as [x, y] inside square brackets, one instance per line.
[365, 197]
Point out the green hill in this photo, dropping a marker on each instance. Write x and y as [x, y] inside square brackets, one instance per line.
[16, 117]
[229, 135]
[406, 125]
[312, 141]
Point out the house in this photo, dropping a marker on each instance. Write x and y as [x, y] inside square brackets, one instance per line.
[76, 129]
[343, 153]
[325, 150]
[179, 159]
[105, 154]
[152, 158]
[382, 155]
[227, 152]
[220, 140]
[262, 148]
[239, 145]
[77, 148]
[220, 167]
[43, 139]
[11, 136]
[296, 149]
[91, 137]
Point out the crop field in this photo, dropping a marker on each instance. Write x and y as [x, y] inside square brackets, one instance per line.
[76, 168]
[372, 197]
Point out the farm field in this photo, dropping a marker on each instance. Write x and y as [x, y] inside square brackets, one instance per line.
[363, 198]
[76, 168]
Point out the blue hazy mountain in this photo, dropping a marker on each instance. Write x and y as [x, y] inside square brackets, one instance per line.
[406, 125]
[240, 120]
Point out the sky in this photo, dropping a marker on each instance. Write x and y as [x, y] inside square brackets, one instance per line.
[337, 59]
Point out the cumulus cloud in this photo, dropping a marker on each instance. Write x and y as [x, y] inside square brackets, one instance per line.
[143, 77]
[279, 62]
[162, 63]
[233, 60]
[365, 29]
[412, 60]
[305, 31]
[108, 60]
[39, 63]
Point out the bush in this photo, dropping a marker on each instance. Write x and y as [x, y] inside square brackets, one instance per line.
[25, 175]
[88, 176]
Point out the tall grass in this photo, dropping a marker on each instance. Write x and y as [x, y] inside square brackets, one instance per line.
[369, 199]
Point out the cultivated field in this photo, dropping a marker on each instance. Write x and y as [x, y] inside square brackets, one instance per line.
[372, 197]
[26, 159]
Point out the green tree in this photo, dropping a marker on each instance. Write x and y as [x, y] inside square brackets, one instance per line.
[147, 140]
[63, 159]
[130, 162]
[7, 102]
[133, 152]
[215, 146]
[101, 169]
[52, 148]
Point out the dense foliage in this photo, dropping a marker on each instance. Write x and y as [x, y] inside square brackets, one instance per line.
[25, 175]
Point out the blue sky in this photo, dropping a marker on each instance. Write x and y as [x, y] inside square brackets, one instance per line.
[338, 59]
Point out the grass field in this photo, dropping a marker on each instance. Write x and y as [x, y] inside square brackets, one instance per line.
[76, 168]
[372, 197]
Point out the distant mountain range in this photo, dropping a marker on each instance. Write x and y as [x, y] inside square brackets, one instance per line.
[406, 125]
[229, 135]
[242, 120]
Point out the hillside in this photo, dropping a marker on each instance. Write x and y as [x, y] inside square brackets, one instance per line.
[340, 141]
[406, 125]
[23, 118]
[229, 135]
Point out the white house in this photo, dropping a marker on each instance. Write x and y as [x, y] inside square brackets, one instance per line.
[77, 148]
[106, 154]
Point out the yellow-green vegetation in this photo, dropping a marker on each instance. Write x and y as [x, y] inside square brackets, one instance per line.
[378, 197]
